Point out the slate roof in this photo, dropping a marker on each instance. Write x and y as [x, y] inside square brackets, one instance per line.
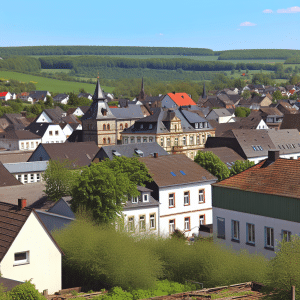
[84, 95]
[26, 167]
[160, 169]
[222, 112]
[286, 108]
[55, 114]
[81, 153]
[279, 178]
[130, 112]
[16, 121]
[60, 97]
[226, 155]
[12, 220]
[39, 128]
[128, 150]
[7, 179]
[271, 111]
[14, 156]
[152, 202]
[19, 135]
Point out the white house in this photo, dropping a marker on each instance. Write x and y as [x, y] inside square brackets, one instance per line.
[27, 249]
[258, 208]
[19, 140]
[221, 115]
[141, 213]
[61, 98]
[183, 190]
[6, 96]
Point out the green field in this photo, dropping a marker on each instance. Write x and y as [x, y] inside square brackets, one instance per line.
[52, 71]
[52, 85]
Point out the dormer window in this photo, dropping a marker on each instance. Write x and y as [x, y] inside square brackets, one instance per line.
[196, 125]
[141, 126]
[134, 199]
[145, 198]
[201, 125]
[150, 126]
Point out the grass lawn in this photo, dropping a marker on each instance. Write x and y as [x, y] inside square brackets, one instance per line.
[52, 85]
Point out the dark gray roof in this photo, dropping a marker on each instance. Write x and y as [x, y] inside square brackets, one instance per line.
[55, 114]
[19, 135]
[128, 150]
[17, 121]
[84, 95]
[26, 167]
[38, 95]
[130, 112]
[60, 97]
[227, 155]
[38, 128]
[193, 117]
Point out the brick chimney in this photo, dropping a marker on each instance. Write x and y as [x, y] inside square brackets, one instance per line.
[155, 155]
[273, 155]
[22, 203]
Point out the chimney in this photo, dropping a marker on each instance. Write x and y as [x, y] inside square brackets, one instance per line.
[23, 113]
[155, 155]
[22, 203]
[273, 155]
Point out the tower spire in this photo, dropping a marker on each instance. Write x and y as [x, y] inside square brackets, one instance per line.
[204, 92]
[98, 94]
[142, 92]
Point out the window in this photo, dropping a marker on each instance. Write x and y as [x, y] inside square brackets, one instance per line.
[196, 125]
[250, 233]
[36, 144]
[38, 177]
[152, 221]
[201, 125]
[269, 237]
[21, 258]
[130, 224]
[104, 127]
[198, 140]
[56, 132]
[27, 145]
[138, 139]
[202, 220]
[25, 178]
[201, 196]
[172, 200]
[142, 223]
[235, 230]
[145, 139]
[121, 126]
[162, 142]
[50, 133]
[32, 144]
[126, 140]
[31, 177]
[132, 140]
[186, 198]
[126, 125]
[150, 139]
[171, 226]
[191, 140]
[19, 177]
[141, 126]
[184, 141]
[145, 198]
[135, 199]
[104, 140]
[221, 228]
[108, 127]
[108, 140]
[150, 126]
[187, 223]
[168, 142]
[22, 145]
[176, 142]
[286, 235]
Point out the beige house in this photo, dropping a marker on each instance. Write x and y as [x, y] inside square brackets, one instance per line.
[27, 249]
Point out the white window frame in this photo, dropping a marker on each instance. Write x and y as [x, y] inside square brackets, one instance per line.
[142, 222]
[171, 200]
[201, 220]
[38, 177]
[201, 196]
[145, 198]
[171, 226]
[235, 230]
[187, 224]
[186, 197]
[134, 199]
[32, 177]
[130, 224]
[269, 237]
[21, 261]
[25, 178]
[286, 235]
[152, 221]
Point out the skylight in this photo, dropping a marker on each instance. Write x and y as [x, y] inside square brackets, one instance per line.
[182, 172]
[173, 174]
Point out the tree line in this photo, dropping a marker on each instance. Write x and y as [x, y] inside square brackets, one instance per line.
[102, 50]
[258, 54]
[293, 60]
[21, 64]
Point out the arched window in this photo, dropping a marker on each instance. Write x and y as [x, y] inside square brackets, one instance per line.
[121, 126]
[108, 127]
[108, 140]
[104, 141]
[104, 127]
[126, 125]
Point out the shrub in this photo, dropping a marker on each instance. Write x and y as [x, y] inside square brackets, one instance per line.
[25, 291]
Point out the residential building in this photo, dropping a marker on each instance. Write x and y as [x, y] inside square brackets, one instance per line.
[27, 172]
[14, 121]
[79, 111]
[258, 208]
[286, 108]
[129, 150]
[256, 102]
[80, 154]
[255, 144]
[19, 140]
[221, 115]
[35, 96]
[291, 121]
[61, 98]
[141, 214]
[6, 96]
[176, 130]
[27, 250]
[173, 100]
[85, 95]
[183, 190]
[272, 116]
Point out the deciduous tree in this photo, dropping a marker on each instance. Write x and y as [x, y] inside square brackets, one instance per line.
[240, 166]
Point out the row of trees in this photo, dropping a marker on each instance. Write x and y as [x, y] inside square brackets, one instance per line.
[20, 64]
[258, 54]
[293, 60]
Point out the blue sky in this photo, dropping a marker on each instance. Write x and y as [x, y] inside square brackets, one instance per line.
[192, 23]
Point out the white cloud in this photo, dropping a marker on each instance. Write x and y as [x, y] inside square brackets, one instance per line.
[247, 24]
[290, 10]
[268, 11]
[161, 34]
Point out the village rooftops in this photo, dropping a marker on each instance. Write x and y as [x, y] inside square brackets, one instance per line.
[19, 135]
[7, 179]
[176, 169]
[181, 99]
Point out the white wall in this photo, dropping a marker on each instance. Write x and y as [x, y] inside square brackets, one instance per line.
[181, 211]
[29, 144]
[14, 144]
[44, 267]
[54, 138]
[43, 118]
[260, 222]
[31, 177]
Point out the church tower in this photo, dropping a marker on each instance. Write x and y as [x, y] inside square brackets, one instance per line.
[204, 92]
[98, 123]
[141, 95]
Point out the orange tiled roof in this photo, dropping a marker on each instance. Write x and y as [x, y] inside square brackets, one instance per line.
[279, 178]
[181, 99]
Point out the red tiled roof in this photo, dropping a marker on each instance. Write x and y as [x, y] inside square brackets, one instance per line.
[279, 178]
[181, 99]
[3, 94]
